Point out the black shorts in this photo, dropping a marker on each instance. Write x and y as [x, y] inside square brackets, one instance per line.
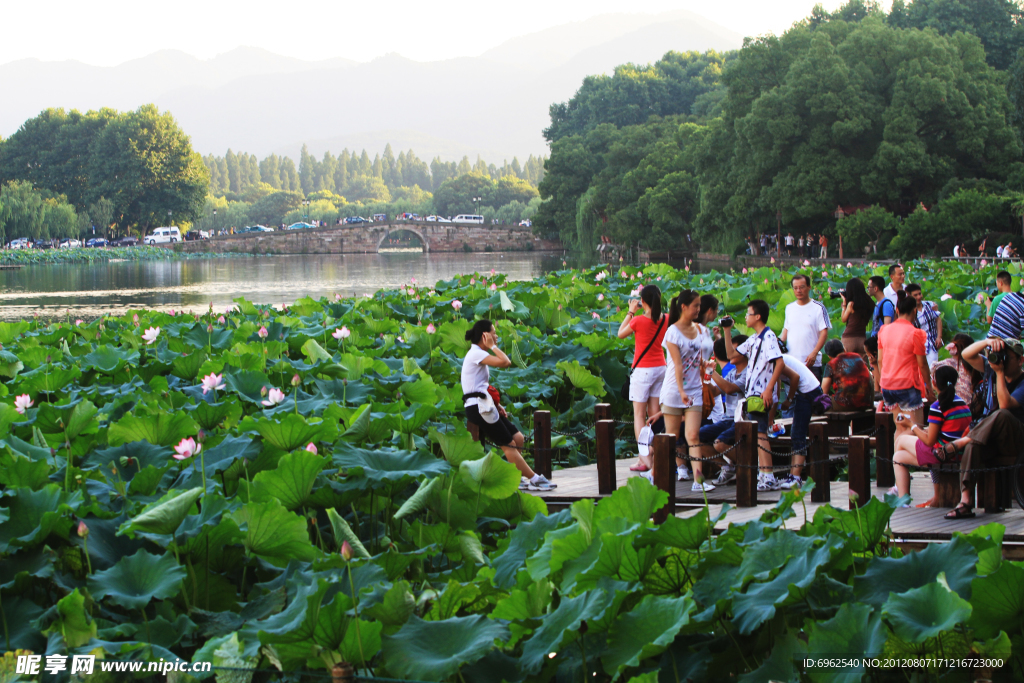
[499, 433]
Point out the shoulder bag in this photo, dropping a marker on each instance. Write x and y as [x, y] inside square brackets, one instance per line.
[624, 392]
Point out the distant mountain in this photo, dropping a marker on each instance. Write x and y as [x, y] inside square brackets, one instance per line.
[253, 100]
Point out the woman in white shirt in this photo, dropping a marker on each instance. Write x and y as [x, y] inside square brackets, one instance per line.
[489, 418]
[689, 346]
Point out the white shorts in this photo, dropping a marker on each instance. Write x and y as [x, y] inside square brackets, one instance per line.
[646, 382]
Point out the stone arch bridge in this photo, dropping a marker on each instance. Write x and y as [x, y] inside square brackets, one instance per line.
[369, 238]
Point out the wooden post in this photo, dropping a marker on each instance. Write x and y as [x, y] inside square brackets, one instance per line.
[819, 464]
[859, 471]
[605, 456]
[602, 411]
[542, 442]
[663, 449]
[746, 460]
[884, 475]
[343, 672]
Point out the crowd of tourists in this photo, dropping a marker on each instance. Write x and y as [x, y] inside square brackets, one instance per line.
[693, 376]
[811, 245]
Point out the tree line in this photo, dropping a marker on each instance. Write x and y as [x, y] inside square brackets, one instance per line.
[916, 112]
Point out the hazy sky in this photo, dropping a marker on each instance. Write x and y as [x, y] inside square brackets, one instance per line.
[107, 32]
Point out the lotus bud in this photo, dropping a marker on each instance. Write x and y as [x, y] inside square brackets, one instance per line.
[209, 328]
[83, 530]
[296, 380]
[854, 497]
[47, 358]
[311, 447]
[263, 391]
[201, 436]
[346, 551]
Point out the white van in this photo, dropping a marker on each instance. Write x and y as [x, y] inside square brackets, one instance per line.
[163, 235]
[469, 218]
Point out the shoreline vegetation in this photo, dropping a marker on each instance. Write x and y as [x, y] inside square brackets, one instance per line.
[169, 478]
[29, 257]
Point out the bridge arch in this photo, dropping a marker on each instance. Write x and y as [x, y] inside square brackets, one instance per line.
[415, 230]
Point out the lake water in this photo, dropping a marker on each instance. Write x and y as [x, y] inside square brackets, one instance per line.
[92, 290]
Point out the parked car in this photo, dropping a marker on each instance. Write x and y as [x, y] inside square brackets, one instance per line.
[437, 219]
[526, 223]
[193, 235]
[20, 243]
[96, 242]
[260, 228]
[69, 243]
[163, 236]
[469, 218]
[293, 226]
[126, 241]
[407, 217]
[45, 244]
[355, 219]
[377, 217]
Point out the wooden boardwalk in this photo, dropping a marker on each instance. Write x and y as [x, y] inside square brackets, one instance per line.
[908, 524]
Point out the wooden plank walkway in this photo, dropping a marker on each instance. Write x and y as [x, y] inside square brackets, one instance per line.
[908, 524]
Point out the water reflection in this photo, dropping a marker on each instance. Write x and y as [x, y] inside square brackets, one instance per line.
[90, 290]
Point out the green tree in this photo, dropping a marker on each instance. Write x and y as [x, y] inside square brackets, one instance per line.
[271, 210]
[367, 189]
[997, 23]
[867, 225]
[455, 196]
[102, 214]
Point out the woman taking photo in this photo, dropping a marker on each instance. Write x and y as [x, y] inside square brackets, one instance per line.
[648, 368]
[857, 310]
[481, 410]
[689, 347]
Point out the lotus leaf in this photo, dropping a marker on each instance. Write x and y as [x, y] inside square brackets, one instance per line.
[292, 481]
[135, 581]
[925, 612]
[291, 432]
[885, 575]
[645, 631]
[998, 601]
[273, 533]
[33, 515]
[491, 475]
[387, 464]
[162, 429]
[560, 624]
[165, 515]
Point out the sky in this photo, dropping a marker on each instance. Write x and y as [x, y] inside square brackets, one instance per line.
[109, 32]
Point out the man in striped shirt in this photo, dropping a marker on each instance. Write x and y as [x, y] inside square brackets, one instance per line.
[1008, 319]
[806, 326]
[930, 320]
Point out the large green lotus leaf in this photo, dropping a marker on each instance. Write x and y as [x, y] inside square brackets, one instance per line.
[19, 471]
[998, 601]
[199, 338]
[387, 464]
[517, 508]
[987, 541]
[734, 299]
[418, 501]
[81, 418]
[51, 378]
[422, 391]
[109, 360]
[457, 446]
[645, 631]
[39, 563]
[761, 559]
[11, 331]
[759, 603]
[165, 515]
[395, 608]
[361, 644]
[520, 605]
[186, 366]
[856, 631]
[561, 624]
[33, 515]
[292, 481]
[956, 559]
[780, 665]
[273, 533]
[685, 533]
[312, 350]
[619, 560]
[134, 581]
[22, 632]
[358, 425]
[452, 599]
[72, 622]
[9, 416]
[635, 502]
[582, 378]
[409, 421]
[291, 432]
[452, 336]
[129, 458]
[162, 429]
[925, 612]
[866, 525]
[230, 451]
[343, 532]
[210, 415]
[491, 475]
[248, 384]
[434, 650]
[524, 541]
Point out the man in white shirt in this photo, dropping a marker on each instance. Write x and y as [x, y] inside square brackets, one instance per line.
[896, 278]
[789, 244]
[806, 326]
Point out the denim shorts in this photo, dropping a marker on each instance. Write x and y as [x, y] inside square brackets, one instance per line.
[906, 399]
[762, 421]
[718, 431]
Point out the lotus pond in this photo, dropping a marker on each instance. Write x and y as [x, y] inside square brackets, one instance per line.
[282, 489]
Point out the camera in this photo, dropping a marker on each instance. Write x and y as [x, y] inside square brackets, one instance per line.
[997, 357]
[837, 295]
[726, 321]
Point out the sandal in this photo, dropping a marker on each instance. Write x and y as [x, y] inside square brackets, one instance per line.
[961, 511]
[949, 452]
[639, 467]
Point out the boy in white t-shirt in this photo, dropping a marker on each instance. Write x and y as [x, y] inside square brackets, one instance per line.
[763, 372]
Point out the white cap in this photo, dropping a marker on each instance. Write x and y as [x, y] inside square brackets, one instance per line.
[644, 441]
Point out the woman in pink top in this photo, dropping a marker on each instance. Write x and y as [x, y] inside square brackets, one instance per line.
[901, 355]
[648, 370]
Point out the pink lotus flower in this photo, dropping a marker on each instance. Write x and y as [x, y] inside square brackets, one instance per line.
[296, 380]
[945, 296]
[135, 318]
[151, 334]
[493, 272]
[22, 403]
[849, 265]
[687, 269]
[766, 280]
[337, 297]
[400, 339]
[78, 323]
[494, 287]
[346, 551]
[773, 260]
[274, 396]
[980, 297]
[824, 274]
[83, 530]
[623, 274]
[341, 333]
[600, 297]
[472, 280]
[186, 449]
[221, 320]
[457, 305]
[311, 447]
[213, 381]
[413, 280]
[744, 271]
[431, 329]
[984, 263]
[172, 312]
[263, 332]
[595, 316]
[806, 262]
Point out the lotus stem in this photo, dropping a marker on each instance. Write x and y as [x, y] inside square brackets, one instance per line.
[355, 605]
[88, 561]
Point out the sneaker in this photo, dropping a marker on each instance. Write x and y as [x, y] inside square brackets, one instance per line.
[893, 491]
[790, 481]
[706, 486]
[541, 483]
[767, 482]
[648, 475]
[524, 483]
[682, 473]
[726, 475]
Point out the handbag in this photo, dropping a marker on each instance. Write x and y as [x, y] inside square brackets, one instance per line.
[624, 392]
